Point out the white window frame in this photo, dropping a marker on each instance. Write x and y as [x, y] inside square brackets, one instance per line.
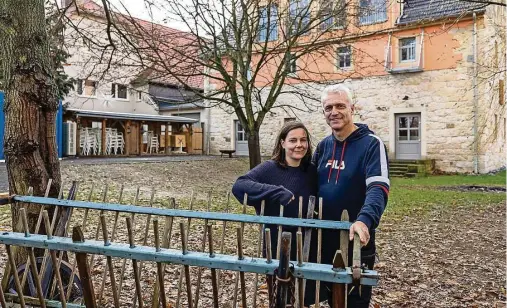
[83, 86]
[330, 19]
[372, 13]
[265, 34]
[345, 55]
[240, 131]
[115, 92]
[296, 10]
[410, 46]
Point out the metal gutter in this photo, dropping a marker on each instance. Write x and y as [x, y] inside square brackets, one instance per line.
[130, 116]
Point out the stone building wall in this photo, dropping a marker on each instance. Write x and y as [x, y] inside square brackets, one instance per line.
[492, 123]
[446, 115]
[443, 97]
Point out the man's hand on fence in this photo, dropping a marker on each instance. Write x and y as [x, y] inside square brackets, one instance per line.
[362, 230]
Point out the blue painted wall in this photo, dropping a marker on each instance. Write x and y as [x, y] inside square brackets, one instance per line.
[59, 124]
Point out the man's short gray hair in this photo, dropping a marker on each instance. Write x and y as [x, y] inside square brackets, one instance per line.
[337, 88]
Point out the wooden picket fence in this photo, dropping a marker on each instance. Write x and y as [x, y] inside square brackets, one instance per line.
[69, 274]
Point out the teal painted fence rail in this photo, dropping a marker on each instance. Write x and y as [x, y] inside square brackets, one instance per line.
[244, 218]
[313, 271]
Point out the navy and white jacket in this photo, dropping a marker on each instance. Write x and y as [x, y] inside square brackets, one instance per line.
[353, 175]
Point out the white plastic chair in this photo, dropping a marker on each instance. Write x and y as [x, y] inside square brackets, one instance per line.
[154, 144]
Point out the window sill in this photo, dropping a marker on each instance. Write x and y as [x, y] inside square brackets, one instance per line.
[121, 99]
[343, 69]
[333, 28]
[402, 70]
[266, 41]
[371, 23]
[86, 96]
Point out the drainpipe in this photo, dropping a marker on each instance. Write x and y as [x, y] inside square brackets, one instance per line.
[387, 63]
[421, 57]
[476, 98]
[208, 130]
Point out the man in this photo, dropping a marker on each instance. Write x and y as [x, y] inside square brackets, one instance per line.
[352, 175]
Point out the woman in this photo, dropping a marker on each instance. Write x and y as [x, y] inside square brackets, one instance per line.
[282, 180]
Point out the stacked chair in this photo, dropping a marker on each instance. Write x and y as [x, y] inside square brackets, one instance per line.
[90, 141]
[115, 143]
[154, 144]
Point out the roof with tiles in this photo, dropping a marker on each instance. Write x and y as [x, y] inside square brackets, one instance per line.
[180, 40]
[418, 11]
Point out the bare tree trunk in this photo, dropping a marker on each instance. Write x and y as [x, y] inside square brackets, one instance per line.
[30, 104]
[254, 148]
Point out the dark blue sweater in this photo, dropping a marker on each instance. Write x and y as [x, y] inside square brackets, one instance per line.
[353, 175]
[277, 185]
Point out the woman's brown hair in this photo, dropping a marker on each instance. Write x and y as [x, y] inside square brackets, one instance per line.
[279, 152]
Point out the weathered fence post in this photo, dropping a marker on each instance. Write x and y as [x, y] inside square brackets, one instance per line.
[33, 264]
[239, 232]
[12, 263]
[283, 278]
[160, 269]
[54, 261]
[184, 250]
[214, 283]
[134, 263]
[300, 281]
[2, 298]
[84, 270]
[319, 256]
[340, 261]
[109, 260]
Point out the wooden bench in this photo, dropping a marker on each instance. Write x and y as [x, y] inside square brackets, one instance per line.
[230, 152]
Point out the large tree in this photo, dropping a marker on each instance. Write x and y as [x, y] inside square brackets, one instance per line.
[31, 103]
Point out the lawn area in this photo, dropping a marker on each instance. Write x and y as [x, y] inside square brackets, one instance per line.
[420, 195]
[497, 179]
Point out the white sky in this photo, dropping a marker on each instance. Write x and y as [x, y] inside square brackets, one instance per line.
[137, 8]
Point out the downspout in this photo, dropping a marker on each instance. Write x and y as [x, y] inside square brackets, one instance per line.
[475, 98]
[387, 63]
[208, 130]
[421, 55]
[207, 110]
